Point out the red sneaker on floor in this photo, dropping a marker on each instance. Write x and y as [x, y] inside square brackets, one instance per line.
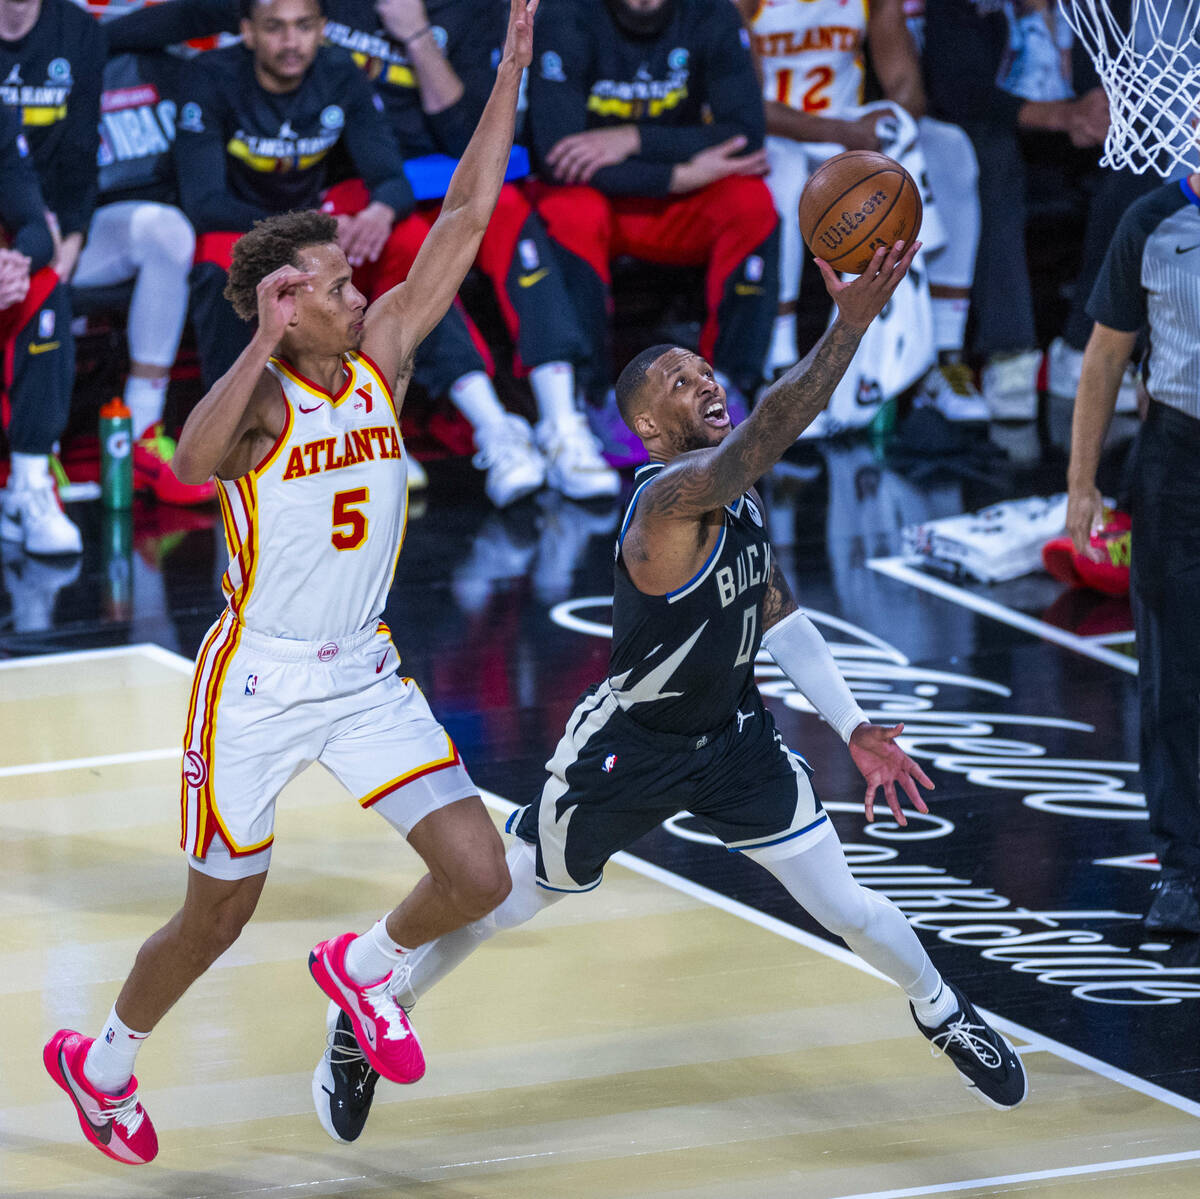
[116, 1124]
[152, 454]
[380, 1024]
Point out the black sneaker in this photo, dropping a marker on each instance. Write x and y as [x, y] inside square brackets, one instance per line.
[989, 1065]
[343, 1083]
[1175, 908]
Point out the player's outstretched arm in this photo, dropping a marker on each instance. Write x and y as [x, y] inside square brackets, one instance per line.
[401, 318]
[243, 403]
[704, 480]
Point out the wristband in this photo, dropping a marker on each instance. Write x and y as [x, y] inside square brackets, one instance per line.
[412, 37]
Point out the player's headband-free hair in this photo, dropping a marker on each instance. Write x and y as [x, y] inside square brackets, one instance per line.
[247, 7]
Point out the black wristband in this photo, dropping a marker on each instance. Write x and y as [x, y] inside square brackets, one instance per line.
[412, 37]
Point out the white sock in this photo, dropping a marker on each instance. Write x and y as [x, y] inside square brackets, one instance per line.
[553, 387]
[935, 1007]
[145, 399]
[783, 342]
[950, 321]
[28, 470]
[373, 955]
[475, 397]
[109, 1062]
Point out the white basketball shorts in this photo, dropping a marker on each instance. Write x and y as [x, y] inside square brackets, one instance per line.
[264, 708]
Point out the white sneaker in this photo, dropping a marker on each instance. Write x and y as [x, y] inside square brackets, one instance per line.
[1010, 385]
[574, 465]
[514, 466]
[950, 388]
[34, 517]
[1064, 366]
[418, 480]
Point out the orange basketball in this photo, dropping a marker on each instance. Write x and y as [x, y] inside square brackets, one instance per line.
[855, 203]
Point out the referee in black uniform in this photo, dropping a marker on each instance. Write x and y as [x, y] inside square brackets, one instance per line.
[1151, 280]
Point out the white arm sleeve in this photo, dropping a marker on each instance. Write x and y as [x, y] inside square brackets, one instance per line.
[801, 653]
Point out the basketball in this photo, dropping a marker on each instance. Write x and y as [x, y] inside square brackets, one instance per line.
[855, 203]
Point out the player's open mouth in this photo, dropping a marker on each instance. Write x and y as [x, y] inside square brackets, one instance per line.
[716, 414]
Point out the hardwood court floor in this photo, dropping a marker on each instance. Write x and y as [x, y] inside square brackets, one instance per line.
[644, 1040]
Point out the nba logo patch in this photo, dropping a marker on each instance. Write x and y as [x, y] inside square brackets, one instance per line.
[251, 684]
[46, 324]
[609, 763]
[108, 1036]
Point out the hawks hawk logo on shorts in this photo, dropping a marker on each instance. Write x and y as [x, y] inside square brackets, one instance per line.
[195, 769]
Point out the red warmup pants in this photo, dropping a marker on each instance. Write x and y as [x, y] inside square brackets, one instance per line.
[494, 259]
[717, 227]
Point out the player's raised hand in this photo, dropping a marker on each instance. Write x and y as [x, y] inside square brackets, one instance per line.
[884, 764]
[862, 299]
[277, 300]
[518, 43]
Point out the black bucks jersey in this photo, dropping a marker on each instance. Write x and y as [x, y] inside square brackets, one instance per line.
[683, 662]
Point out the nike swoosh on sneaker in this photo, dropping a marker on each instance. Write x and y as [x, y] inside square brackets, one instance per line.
[103, 1132]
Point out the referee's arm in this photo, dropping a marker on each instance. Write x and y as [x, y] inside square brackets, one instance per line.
[1104, 361]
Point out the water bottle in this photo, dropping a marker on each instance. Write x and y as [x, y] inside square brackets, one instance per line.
[116, 456]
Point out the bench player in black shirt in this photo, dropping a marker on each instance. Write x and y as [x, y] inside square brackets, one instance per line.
[647, 125]
[678, 723]
[50, 56]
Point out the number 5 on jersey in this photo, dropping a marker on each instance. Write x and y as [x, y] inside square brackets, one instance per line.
[349, 524]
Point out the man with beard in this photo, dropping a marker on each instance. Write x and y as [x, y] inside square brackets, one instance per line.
[678, 722]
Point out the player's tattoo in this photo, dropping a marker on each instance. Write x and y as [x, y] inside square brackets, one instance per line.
[702, 480]
[777, 600]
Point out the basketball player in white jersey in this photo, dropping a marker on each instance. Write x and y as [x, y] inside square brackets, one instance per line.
[811, 54]
[303, 437]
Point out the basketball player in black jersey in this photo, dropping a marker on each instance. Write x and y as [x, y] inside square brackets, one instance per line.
[678, 723]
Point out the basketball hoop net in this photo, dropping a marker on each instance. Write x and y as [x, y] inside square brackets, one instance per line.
[1150, 71]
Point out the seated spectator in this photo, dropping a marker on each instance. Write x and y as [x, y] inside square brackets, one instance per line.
[138, 233]
[647, 125]
[811, 52]
[49, 51]
[1005, 73]
[433, 80]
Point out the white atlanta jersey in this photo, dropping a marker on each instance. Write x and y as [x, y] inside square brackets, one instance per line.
[315, 529]
[811, 53]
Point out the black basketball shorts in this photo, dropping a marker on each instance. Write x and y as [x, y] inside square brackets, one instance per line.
[611, 780]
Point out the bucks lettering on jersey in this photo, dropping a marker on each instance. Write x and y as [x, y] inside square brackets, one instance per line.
[314, 530]
[682, 662]
[811, 53]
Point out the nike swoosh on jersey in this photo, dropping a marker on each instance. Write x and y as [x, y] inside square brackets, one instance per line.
[43, 347]
[103, 1131]
[1187, 249]
[303, 409]
[533, 277]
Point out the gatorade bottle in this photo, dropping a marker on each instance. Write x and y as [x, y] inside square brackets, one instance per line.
[116, 456]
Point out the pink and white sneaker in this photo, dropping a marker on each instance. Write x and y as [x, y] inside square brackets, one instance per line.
[116, 1124]
[380, 1023]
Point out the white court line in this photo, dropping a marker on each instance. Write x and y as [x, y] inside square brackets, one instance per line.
[1129, 1163]
[137, 755]
[899, 568]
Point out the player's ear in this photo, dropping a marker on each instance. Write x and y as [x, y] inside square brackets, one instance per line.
[644, 426]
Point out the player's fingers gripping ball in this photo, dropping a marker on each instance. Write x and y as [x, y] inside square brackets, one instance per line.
[853, 204]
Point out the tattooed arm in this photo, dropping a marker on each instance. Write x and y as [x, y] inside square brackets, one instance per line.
[703, 480]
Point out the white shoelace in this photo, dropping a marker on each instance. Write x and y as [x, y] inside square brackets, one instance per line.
[381, 1003]
[963, 1033]
[127, 1114]
[343, 1048]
